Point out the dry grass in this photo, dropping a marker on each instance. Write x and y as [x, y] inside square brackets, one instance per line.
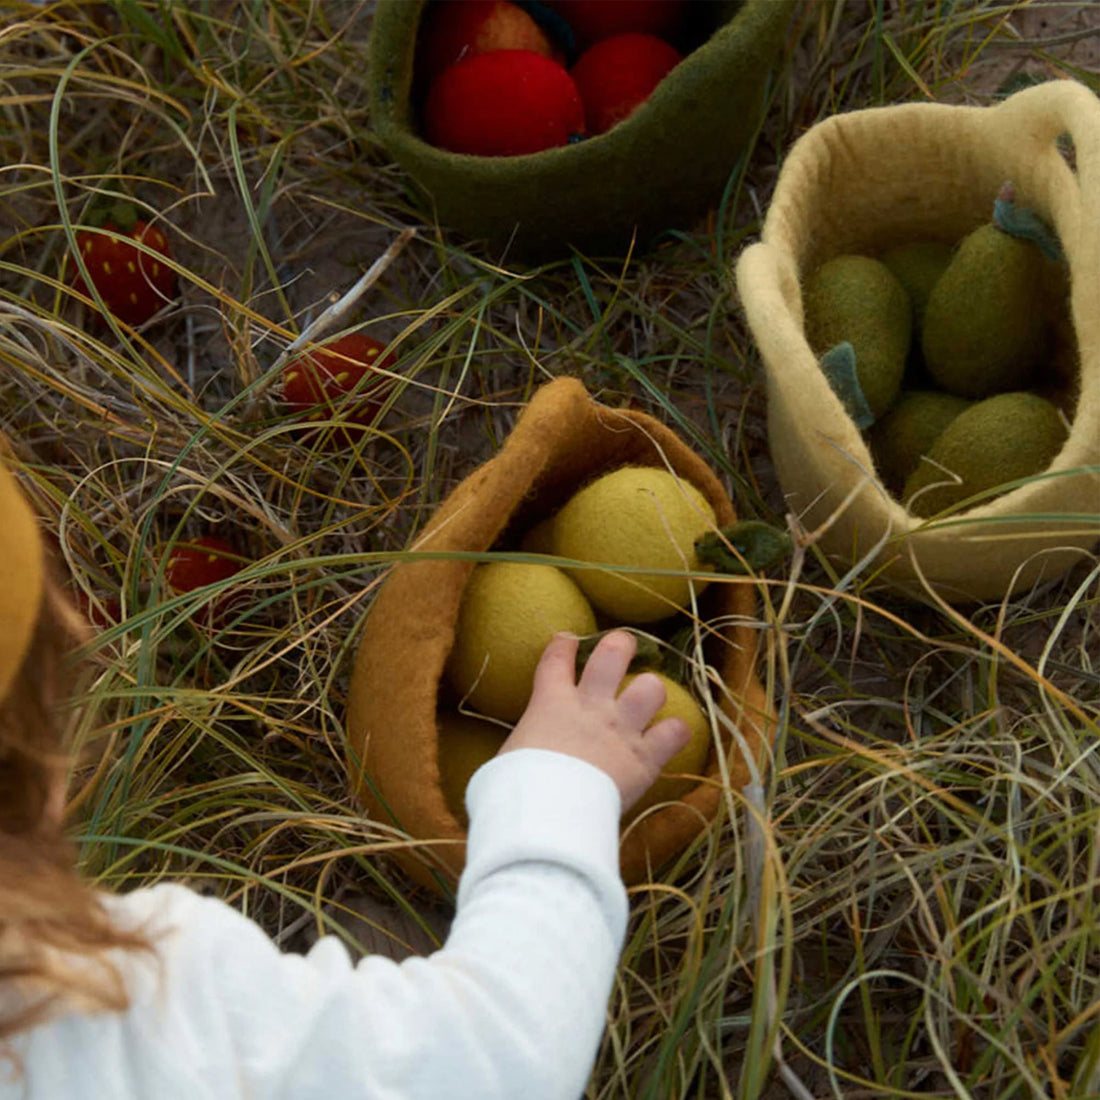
[904, 907]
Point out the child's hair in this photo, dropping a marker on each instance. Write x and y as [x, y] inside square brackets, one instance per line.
[54, 932]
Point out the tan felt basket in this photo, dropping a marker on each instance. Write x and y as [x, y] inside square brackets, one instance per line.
[863, 182]
[561, 441]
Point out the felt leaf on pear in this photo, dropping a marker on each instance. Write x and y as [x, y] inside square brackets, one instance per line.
[1018, 221]
[839, 365]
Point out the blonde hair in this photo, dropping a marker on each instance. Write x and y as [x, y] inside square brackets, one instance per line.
[55, 934]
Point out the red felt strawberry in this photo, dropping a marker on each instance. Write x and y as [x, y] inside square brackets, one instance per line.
[133, 284]
[617, 74]
[202, 561]
[208, 559]
[451, 31]
[335, 381]
[504, 103]
[594, 20]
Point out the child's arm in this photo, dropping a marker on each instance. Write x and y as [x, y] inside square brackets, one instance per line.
[512, 1006]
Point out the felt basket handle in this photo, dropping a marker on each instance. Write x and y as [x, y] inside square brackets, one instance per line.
[1038, 116]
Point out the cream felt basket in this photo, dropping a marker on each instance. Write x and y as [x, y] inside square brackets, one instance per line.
[561, 441]
[864, 182]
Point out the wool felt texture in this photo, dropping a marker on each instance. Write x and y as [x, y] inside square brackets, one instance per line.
[691, 759]
[857, 300]
[503, 103]
[984, 329]
[634, 517]
[1001, 439]
[870, 180]
[909, 430]
[659, 169]
[561, 441]
[21, 573]
[509, 612]
[617, 74]
[918, 267]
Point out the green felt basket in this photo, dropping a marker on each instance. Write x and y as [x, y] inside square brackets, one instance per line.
[659, 169]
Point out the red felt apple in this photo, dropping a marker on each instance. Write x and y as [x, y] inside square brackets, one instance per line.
[335, 381]
[594, 20]
[503, 103]
[616, 75]
[454, 29]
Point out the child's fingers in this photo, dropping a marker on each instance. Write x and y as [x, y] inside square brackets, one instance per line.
[603, 672]
[557, 665]
[641, 699]
[664, 739]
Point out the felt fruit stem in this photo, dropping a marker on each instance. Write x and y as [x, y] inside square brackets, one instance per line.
[1018, 221]
[839, 365]
[749, 546]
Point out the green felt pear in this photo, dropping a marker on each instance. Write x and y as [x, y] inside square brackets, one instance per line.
[856, 300]
[994, 442]
[984, 326]
[908, 430]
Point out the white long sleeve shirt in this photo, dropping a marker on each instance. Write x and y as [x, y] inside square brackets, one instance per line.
[512, 1006]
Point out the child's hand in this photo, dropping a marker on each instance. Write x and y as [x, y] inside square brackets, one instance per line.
[591, 721]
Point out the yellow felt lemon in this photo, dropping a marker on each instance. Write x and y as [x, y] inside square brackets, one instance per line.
[636, 516]
[465, 743]
[509, 611]
[691, 759]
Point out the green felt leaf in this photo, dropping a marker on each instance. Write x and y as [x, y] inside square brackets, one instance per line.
[746, 546]
[1018, 221]
[839, 365]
